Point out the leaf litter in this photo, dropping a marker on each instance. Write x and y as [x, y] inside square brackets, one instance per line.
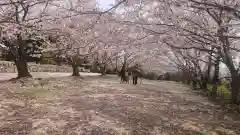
[103, 106]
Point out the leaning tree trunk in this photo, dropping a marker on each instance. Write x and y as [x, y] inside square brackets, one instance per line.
[20, 61]
[235, 86]
[215, 77]
[22, 69]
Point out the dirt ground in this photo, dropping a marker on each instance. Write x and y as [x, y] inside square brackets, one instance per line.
[103, 106]
[8, 76]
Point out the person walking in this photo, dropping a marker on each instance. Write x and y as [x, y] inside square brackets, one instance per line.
[129, 75]
[135, 78]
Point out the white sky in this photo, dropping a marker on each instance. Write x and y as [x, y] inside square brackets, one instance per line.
[105, 4]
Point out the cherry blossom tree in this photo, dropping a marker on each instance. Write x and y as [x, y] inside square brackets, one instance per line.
[20, 24]
[212, 36]
[75, 31]
[73, 39]
[19, 21]
[123, 44]
[206, 26]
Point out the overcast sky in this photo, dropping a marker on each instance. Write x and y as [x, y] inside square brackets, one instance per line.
[106, 3]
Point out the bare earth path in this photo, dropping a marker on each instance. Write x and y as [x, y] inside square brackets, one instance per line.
[101, 106]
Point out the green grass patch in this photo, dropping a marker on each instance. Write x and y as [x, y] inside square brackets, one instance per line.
[209, 86]
[36, 92]
[223, 91]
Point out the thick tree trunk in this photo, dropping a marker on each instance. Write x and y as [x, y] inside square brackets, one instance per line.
[75, 70]
[22, 69]
[20, 60]
[235, 86]
[227, 59]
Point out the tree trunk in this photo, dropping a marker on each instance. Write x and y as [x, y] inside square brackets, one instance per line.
[205, 83]
[103, 70]
[235, 90]
[215, 77]
[123, 74]
[135, 80]
[194, 81]
[116, 68]
[235, 86]
[202, 84]
[123, 70]
[22, 69]
[75, 70]
[188, 78]
[20, 60]
[194, 84]
[205, 79]
[201, 80]
[227, 59]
